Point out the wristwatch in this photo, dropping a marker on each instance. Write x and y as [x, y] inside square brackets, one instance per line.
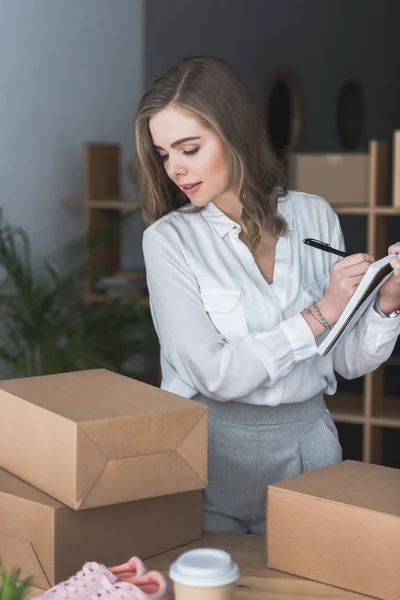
[391, 315]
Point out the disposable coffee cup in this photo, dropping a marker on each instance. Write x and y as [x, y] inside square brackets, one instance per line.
[204, 574]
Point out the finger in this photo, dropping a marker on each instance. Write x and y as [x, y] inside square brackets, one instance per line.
[355, 259]
[357, 270]
[355, 281]
[394, 248]
[395, 263]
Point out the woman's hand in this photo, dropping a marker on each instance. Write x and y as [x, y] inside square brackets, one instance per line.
[389, 295]
[346, 274]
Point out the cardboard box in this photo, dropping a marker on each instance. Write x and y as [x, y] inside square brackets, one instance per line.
[339, 525]
[94, 438]
[341, 179]
[52, 542]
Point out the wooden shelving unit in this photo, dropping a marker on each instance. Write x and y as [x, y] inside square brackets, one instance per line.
[101, 203]
[371, 409]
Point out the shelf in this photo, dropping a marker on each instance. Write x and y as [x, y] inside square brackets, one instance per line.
[346, 408]
[387, 210]
[351, 210]
[366, 210]
[389, 415]
[110, 204]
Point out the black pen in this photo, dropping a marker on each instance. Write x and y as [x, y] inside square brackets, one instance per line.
[323, 246]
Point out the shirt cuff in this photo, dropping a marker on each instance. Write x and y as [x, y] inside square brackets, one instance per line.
[300, 337]
[379, 324]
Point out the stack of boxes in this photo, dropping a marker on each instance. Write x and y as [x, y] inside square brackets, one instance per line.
[96, 466]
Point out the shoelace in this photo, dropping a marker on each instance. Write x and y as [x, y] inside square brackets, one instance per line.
[76, 584]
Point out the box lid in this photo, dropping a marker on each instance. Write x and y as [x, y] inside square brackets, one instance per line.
[101, 438]
[352, 483]
[93, 395]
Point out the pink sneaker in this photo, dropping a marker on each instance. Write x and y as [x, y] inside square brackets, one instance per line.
[129, 570]
[151, 586]
[93, 579]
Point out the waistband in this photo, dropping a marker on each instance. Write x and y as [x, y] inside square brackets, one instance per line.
[251, 414]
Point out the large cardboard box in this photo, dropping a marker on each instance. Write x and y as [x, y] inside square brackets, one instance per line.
[94, 438]
[339, 525]
[50, 541]
[341, 179]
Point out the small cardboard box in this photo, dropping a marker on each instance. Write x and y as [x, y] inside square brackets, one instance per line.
[94, 438]
[339, 525]
[50, 541]
[341, 179]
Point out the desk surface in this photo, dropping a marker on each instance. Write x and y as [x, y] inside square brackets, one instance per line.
[256, 582]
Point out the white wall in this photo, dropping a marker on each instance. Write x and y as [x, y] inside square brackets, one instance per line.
[70, 72]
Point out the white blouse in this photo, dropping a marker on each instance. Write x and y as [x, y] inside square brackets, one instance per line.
[228, 334]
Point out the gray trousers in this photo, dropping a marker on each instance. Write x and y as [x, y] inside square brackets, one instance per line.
[251, 447]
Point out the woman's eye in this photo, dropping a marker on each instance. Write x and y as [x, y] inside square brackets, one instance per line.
[163, 157]
[190, 152]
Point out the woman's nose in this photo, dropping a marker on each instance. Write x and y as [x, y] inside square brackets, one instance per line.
[176, 167]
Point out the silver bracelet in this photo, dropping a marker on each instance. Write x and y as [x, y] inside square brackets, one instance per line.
[322, 319]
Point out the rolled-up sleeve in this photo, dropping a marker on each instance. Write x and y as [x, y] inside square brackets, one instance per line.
[196, 350]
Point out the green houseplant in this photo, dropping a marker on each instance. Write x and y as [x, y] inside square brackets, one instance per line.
[45, 326]
[12, 587]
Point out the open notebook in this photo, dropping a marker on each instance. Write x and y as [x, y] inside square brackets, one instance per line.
[377, 274]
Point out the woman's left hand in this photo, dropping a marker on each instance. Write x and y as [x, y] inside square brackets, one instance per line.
[389, 296]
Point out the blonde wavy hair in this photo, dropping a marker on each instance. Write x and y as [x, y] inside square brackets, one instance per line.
[215, 94]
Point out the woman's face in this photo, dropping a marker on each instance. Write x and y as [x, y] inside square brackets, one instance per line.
[194, 157]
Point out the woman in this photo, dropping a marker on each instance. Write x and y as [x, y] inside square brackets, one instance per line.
[232, 288]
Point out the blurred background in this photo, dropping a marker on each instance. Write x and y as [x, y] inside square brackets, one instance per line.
[325, 75]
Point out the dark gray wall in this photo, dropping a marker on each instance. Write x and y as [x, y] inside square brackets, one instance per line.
[324, 41]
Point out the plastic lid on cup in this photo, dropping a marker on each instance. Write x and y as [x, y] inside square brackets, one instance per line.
[204, 567]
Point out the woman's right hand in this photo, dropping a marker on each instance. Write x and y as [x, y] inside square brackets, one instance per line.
[346, 274]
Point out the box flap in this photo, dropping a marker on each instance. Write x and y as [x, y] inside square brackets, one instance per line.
[22, 507]
[169, 474]
[19, 554]
[93, 395]
[90, 463]
[13, 486]
[193, 448]
[363, 485]
[139, 435]
[43, 542]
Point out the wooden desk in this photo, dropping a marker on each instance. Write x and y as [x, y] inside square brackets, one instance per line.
[256, 581]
